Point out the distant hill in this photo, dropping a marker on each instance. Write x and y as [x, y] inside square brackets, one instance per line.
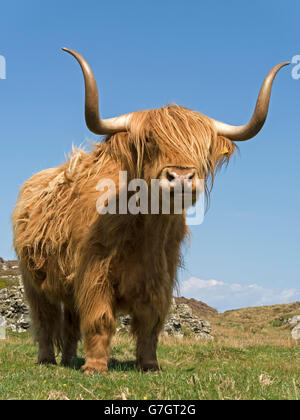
[9, 268]
[261, 315]
[9, 265]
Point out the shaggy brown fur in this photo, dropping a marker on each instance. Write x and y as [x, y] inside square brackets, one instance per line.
[80, 268]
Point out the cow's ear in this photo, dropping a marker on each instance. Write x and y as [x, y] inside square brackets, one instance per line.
[221, 150]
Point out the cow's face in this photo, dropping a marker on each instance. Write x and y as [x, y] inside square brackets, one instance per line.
[176, 173]
[175, 146]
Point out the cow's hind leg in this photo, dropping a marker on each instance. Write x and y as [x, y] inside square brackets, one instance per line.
[147, 323]
[45, 318]
[71, 335]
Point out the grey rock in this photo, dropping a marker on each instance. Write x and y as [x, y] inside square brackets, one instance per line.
[296, 332]
[14, 309]
[291, 321]
[295, 320]
[182, 322]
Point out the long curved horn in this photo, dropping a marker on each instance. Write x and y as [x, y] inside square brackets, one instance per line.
[92, 115]
[247, 131]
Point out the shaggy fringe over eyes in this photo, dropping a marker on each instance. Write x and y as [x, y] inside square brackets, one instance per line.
[175, 130]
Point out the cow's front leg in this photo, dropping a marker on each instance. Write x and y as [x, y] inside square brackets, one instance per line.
[97, 349]
[97, 330]
[95, 303]
[147, 323]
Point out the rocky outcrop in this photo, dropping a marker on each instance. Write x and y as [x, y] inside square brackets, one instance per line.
[296, 332]
[199, 308]
[292, 321]
[14, 309]
[295, 323]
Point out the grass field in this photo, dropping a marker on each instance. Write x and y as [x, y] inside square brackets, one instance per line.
[190, 370]
[253, 357]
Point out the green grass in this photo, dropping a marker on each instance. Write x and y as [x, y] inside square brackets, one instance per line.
[190, 370]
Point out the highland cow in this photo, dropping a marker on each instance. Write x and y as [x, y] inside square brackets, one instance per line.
[80, 268]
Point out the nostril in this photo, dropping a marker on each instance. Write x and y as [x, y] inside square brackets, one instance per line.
[192, 176]
[170, 177]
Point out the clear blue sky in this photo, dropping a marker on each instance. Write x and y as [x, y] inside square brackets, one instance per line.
[209, 56]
